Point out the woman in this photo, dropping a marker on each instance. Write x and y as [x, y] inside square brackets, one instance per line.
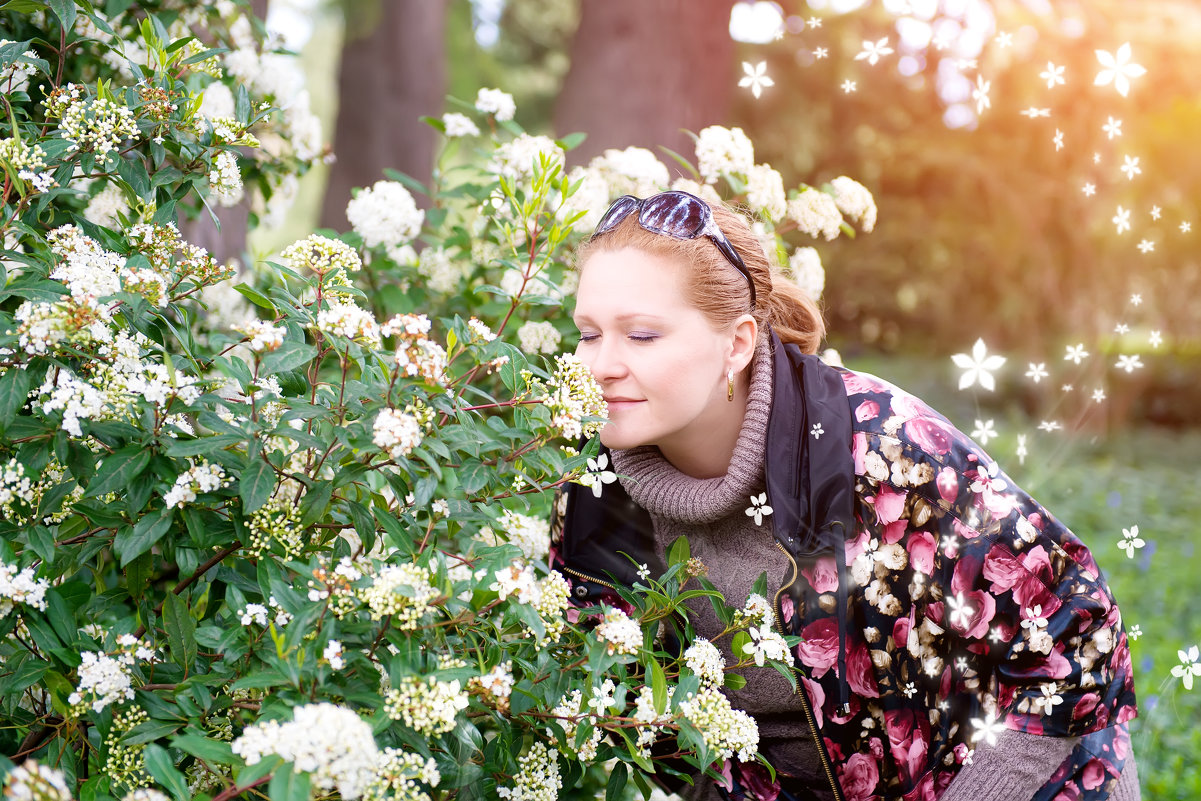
[957, 641]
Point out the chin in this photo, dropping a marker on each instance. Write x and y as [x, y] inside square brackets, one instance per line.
[615, 439]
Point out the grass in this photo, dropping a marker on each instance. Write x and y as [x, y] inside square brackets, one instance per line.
[1099, 484]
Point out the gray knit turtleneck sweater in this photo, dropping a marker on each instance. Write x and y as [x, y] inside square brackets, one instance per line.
[712, 514]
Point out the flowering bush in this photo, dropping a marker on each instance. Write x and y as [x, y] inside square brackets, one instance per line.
[292, 537]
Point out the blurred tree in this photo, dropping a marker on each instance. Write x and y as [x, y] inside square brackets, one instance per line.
[393, 72]
[640, 72]
[228, 241]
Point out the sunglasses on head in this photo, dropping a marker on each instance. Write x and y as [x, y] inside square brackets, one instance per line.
[680, 215]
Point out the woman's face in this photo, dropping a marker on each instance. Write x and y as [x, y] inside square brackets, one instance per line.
[661, 366]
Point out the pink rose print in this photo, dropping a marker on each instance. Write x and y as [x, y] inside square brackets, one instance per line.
[817, 699]
[924, 791]
[757, 783]
[859, 778]
[1085, 706]
[860, 383]
[860, 674]
[889, 504]
[818, 649]
[787, 609]
[908, 735]
[867, 410]
[822, 575]
[921, 547]
[859, 451]
[908, 406]
[901, 629]
[948, 484]
[972, 618]
[1095, 774]
[1003, 569]
[930, 434]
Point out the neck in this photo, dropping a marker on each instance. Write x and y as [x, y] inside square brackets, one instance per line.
[707, 451]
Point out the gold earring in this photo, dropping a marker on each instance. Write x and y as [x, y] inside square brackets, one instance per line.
[730, 384]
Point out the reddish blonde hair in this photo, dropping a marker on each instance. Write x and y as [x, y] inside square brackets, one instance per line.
[716, 287]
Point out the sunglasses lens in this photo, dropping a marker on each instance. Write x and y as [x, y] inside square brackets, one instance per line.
[620, 209]
[676, 214]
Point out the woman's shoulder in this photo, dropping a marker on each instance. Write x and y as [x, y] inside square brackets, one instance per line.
[878, 406]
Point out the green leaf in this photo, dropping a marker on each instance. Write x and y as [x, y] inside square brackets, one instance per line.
[255, 297]
[131, 543]
[209, 750]
[160, 766]
[181, 630]
[571, 142]
[680, 551]
[65, 11]
[14, 390]
[257, 483]
[735, 681]
[150, 731]
[287, 356]
[133, 172]
[118, 470]
[617, 782]
[473, 476]
[658, 686]
[288, 785]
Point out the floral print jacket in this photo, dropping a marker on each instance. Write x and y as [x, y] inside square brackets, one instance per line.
[969, 608]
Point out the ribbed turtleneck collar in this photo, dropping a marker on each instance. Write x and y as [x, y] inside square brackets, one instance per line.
[657, 486]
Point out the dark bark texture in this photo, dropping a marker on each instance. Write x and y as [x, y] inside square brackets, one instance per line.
[642, 71]
[393, 72]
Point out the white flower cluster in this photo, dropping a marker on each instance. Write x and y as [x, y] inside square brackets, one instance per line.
[28, 162]
[538, 777]
[497, 103]
[456, 124]
[225, 179]
[807, 271]
[328, 741]
[442, 271]
[87, 269]
[203, 477]
[723, 150]
[623, 634]
[33, 781]
[765, 191]
[518, 159]
[574, 395]
[539, 337]
[264, 336]
[632, 171]
[530, 534]
[816, 214]
[15, 486]
[398, 433]
[103, 680]
[480, 332]
[495, 686]
[757, 611]
[517, 580]
[855, 201]
[727, 732]
[397, 775]
[20, 587]
[15, 77]
[105, 205]
[258, 613]
[98, 126]
[402, 591]
[321, 255]
[416, 354]
[347, 319]
[706, 662]
[333, 655]
[426, 705]
[765, 644]
[385, 214]
[568, 714]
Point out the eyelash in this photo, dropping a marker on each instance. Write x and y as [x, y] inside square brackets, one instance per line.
[645, 338]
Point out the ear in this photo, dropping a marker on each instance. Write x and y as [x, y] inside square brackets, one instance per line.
[742, 343]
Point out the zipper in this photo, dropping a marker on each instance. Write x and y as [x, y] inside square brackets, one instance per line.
[800, 690]
[586, 577]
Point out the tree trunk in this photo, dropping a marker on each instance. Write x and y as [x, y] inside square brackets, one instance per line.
[230, 241]
[393, 72]
[642, 71]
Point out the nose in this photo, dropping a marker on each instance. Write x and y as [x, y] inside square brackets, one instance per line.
[604, 359]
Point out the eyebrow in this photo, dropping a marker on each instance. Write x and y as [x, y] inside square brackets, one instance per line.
[635, 316]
